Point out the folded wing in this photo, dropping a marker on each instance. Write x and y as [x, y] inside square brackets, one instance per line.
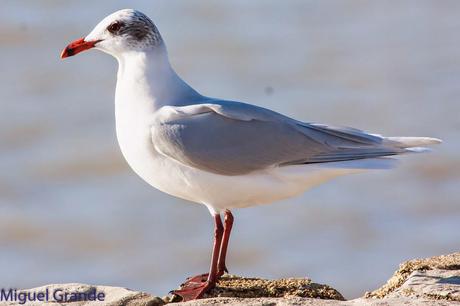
[232, 138]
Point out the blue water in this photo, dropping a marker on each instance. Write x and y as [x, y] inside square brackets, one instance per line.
[72, 211]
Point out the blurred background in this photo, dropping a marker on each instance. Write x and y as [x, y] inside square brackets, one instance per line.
[72, 211]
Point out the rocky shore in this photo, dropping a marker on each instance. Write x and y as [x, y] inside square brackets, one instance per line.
[430, 281]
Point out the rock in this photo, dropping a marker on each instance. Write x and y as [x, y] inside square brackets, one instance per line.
[432, 281]
[244, 287]
[436, 278]
[416, 283]
[434, 284]
[297, 301]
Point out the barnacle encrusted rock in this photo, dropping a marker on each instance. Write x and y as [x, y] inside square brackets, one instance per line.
[246, 287]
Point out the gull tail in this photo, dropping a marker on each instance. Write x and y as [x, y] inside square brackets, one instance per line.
[412, 144]
[400, 145]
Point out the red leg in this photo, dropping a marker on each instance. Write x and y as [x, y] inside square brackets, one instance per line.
[194, 290]
[221, 266]
[228, 223]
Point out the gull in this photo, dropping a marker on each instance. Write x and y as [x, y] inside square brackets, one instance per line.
[219, 153]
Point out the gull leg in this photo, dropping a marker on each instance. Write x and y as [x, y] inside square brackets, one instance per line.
[221, 266]
[228, 224]
[192, 290]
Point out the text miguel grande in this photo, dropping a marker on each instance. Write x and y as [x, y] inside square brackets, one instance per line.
[47, 294]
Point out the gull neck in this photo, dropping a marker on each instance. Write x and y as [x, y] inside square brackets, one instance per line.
[149, 75]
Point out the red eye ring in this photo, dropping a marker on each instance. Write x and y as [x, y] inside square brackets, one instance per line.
[114, 27]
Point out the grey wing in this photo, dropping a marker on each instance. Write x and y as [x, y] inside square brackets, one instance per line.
[218, 142]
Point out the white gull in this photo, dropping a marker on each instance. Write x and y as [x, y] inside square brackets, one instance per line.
[222, 154]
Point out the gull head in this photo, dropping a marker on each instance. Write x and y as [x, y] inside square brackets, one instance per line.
[124, 31]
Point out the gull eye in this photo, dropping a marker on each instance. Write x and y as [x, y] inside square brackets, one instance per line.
[115, 27]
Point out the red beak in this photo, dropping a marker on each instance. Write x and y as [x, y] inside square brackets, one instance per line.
[77, 46]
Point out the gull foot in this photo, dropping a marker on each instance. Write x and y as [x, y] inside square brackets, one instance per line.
[201, 278]
[193, 290]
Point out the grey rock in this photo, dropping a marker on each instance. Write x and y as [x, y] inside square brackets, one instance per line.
[443, 262]
[434, 284]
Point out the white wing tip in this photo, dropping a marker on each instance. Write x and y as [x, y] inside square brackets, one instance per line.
[431, 140]
[436, 140]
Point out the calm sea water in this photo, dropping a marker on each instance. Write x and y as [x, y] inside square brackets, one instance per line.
[72, 211]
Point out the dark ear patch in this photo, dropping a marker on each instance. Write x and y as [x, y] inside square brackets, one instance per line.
[139, 32]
